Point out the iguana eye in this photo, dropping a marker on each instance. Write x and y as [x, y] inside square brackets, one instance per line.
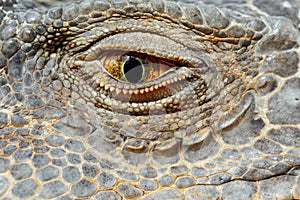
[133, 68]
[130, 74]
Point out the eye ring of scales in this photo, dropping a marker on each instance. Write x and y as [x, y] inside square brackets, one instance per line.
[221, 120]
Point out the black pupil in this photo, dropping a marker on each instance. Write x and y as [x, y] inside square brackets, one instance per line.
[133, 70]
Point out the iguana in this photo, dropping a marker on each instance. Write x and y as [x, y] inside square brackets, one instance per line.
[149, 99]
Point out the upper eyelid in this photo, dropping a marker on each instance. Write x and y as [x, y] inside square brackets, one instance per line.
[158, 46]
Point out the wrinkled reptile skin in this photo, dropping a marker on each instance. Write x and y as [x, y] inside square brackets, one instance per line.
[223, 124]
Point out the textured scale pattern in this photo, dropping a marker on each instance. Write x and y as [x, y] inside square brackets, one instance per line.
[225, 124]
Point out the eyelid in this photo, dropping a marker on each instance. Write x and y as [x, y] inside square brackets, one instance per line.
[150, 44]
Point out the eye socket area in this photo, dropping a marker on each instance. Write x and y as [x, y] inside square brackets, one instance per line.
[110, 74]
[138, 80]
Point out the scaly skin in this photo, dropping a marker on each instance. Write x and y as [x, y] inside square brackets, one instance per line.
[222, 123]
